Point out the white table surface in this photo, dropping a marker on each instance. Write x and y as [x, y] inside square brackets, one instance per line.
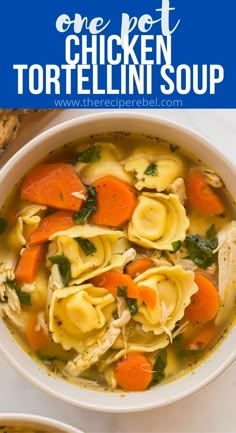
[210, 410]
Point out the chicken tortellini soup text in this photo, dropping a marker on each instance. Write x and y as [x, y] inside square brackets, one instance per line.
[117, 262]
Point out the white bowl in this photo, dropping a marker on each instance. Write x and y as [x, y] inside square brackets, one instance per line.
[21, 163]
[46, 425]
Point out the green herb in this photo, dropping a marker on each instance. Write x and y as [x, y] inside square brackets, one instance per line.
[87, 246]
[176, 246]
[122, 291]
[187, 353]
[131, 303]
[24, 297]
[201, 250]
[92, 154]
[64, 267]
[89, 208]
[3, 225]
[159, 367]
[151, 170]
[132, 306]
[211, 233]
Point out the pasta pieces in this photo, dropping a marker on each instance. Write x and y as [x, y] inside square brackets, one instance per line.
[158, 221]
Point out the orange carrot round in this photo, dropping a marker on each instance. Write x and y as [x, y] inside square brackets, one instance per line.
[205, 303]
[201, 196]
[111, 280]
[35, 337]
[138, 266]
[134, 373]
[28, 264]
[60, 220]
[116, 201]
[53, 185]
[203, 339]
[148, 295]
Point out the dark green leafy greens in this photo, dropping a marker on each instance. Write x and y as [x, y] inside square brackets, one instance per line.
[3, 225]
[132, 305]
[87, 246]
[92, 154]
[159, 367]
[200, 250]
[64, 267]
[151, 170]
[176, 246]
[24, 298]
[211, 233]
[89, 208]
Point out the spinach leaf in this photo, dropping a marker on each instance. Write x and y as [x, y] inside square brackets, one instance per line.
[200, 250]
[122, 291]
[159, 367]
[64, 267]
[87, 246]
[211, 233]
[131, 303]
[24, 297]
[132, 306]
[89, 208]
[3, 225]
[151, 170]
[92, 154]
[176, 246]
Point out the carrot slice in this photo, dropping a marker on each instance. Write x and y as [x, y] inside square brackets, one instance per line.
[201, 196]
[35, 337]
[203, 339]
[205, 303]
[116, 201]
[138, 266]
[111, 280]
[53, 185]
[60, 220]
[148, 295]
[28, 264]
[134, 373]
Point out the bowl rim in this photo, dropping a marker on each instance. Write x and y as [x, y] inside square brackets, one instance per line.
[132, 406]
[44, 421]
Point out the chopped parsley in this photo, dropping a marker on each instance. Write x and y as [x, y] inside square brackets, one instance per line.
[89, 208]
[151, 170]
[87, 246]
[64, 267]
[91, 154]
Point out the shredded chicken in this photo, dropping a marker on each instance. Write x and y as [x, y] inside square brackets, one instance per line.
[178, 188]
[211, 178]
[128, 255]
[12, 299]
[92, 355]
[28, 287]
[79, 194]
[164, 318]
[121, 307]
[18, 320]
[41, 324]
[227, 271]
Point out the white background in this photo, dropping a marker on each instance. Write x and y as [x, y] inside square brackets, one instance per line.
[211, 410]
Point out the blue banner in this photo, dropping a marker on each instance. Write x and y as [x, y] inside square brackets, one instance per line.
[101, 54]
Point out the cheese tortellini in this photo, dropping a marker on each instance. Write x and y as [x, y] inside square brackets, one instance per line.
[78, 315]
[162, 172]
[108, 164]
[103, 257]
[174, 287]
[158, 221]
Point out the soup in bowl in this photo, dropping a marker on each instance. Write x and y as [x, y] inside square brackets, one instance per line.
[117, 261]
[28, 423]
